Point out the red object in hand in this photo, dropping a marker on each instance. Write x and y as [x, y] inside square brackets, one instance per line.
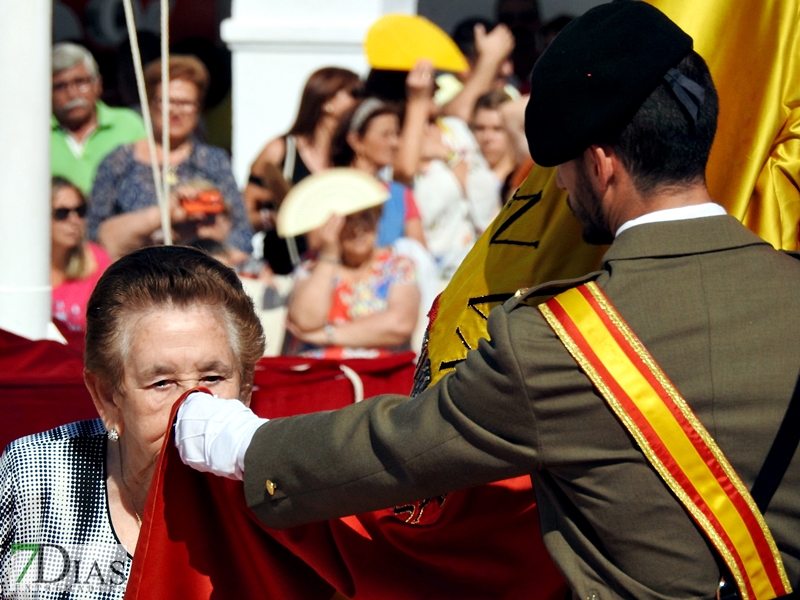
[207, 202]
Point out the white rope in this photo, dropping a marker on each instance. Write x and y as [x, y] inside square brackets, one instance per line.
[355, 379]
[148, 123]
[165, 146]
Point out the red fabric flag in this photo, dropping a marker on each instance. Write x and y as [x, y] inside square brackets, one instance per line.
[42, 385]
[199, 540]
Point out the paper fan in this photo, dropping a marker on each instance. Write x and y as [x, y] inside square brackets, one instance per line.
[342, 191]
[397, 42]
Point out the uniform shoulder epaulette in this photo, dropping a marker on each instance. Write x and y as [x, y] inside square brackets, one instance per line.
[533, 296]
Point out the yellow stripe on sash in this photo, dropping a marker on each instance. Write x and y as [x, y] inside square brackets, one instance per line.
[670, 436]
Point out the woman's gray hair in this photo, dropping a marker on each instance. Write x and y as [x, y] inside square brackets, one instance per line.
[67, 55]
[165, 277]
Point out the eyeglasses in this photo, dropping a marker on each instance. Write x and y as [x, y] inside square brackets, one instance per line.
[62, 214]
[82, 84]
[182, 106]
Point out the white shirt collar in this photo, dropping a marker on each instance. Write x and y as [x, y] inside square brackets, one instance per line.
[695, 211]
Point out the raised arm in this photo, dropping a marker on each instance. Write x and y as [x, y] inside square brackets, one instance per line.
[419, 91]
[493, 49]
[312, 296]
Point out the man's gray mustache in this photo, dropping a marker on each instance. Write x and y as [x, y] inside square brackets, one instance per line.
[77, 103]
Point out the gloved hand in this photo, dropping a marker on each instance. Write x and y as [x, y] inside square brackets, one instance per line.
[212, 434]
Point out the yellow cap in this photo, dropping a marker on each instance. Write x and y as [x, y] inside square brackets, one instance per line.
[397, 42]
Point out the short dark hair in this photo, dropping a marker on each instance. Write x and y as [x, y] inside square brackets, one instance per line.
[168, 277]
[662, 145]
[464, 35]
[321, 86]
[386, 85]
[342, 153]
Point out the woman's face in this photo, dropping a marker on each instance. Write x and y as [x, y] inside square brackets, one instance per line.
[67, 233]
[380, 141]
[341, 102]
[184, 109]
[491, 135]
[170, 351]
[358, 236]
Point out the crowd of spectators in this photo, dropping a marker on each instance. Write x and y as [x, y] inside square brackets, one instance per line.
[445, 145]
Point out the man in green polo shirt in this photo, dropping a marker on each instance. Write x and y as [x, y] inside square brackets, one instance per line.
[84, 129]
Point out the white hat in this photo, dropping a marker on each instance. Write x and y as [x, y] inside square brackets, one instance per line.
[342, 191]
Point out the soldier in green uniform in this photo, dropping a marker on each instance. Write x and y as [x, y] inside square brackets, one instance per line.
[627, 112]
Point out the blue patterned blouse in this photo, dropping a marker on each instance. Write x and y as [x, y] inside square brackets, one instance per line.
[124, 185]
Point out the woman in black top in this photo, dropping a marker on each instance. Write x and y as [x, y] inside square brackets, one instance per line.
[329, 93]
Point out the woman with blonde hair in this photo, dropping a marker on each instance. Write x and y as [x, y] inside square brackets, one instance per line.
[75, 264]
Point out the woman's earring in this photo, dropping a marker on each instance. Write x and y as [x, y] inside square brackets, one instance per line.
[113, 435]
[327, 108]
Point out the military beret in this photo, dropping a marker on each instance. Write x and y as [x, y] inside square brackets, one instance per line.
[596, 74]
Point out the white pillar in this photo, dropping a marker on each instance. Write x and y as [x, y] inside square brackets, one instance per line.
[25, 31]
[276, 45]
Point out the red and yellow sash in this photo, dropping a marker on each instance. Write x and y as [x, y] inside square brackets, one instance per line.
[670, 436]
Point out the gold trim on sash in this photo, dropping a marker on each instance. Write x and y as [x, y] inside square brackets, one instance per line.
[672, 438]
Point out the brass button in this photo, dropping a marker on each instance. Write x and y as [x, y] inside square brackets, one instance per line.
[271, 487]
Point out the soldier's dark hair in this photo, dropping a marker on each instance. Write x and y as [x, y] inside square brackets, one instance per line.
[662, 145]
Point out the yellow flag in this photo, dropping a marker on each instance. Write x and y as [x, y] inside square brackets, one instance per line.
[753, 50]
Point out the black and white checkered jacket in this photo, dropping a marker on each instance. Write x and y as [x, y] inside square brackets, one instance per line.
[56, 537]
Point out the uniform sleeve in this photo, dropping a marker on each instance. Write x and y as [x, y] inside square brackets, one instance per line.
[475, 426]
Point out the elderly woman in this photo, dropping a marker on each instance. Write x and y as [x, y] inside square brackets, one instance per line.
[124, 214]
[161, 321]
[355, 299]
[75, 264]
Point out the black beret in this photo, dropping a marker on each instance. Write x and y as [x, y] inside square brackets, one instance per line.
[596, 74]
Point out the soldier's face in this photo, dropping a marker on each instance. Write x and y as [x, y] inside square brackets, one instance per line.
[584, 202]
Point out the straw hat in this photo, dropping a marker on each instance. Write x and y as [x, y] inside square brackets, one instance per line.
[342, 191]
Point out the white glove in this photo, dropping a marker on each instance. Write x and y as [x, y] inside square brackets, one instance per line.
[212, 434]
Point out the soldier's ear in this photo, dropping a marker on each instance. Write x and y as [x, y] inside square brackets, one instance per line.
[601, 164]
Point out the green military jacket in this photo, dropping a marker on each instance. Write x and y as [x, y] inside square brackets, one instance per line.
[718, 309]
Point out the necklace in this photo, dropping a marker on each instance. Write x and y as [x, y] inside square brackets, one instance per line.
[128, 490]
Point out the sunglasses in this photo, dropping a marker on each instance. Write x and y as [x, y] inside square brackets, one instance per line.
[62, 214]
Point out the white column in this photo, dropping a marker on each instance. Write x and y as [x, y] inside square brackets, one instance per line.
[25, 31]
[276, 45]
